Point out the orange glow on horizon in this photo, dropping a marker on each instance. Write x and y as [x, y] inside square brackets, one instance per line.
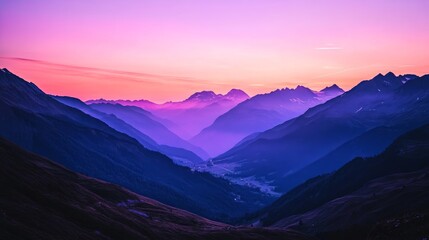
[145, 50]
[92, 83]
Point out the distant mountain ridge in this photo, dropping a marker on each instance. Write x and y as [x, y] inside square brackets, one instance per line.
[233, 94]
[258, 114]
[205, 96]
[332, 90]
[186, 118]
[179, 155]
[148, 124]
[274, 157]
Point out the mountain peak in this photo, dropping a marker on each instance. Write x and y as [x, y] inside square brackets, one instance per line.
[389, 77]
[381, 83]
[379, 75]
[5, 70]
[301, 88]
[390, 74]
[12, 81]
[203, 95]
[236, 93]
[333, 88]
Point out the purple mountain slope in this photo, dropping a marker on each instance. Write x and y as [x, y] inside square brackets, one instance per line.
[146, 123]
[37, 122]
[188, 117]
[385, 102]
[333, 90]
[372, 141]
[179, 155]
[259, 113]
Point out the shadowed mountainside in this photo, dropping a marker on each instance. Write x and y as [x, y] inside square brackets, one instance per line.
[146, 123]
[41, 124]
[42, 200]
[360, 122]
[384, 197]
[179, 155]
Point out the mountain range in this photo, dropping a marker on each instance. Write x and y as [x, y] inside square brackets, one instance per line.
[332, 164]
[361, 122]
[381, 197]
[39, 123]
[146, 123]
[43, 200]
[179, 155]
[188, 117]
[258, 114]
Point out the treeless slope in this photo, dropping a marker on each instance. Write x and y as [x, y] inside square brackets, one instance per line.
[383, 197]
[42, 200]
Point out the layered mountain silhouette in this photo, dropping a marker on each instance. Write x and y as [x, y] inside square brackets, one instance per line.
[179, 155]
[360, 122]
[43, 200]
[345, 165]
[258, 114]
[39, 123]
[188, 117]
[382, 197]
[146, 123]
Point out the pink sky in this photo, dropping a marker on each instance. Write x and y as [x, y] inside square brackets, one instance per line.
[165, 50]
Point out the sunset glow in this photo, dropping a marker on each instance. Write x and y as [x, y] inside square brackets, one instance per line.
[166, 50]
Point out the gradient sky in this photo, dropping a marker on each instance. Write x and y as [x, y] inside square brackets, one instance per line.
[165, 50]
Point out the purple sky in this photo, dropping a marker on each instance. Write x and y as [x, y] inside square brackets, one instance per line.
[165, 50]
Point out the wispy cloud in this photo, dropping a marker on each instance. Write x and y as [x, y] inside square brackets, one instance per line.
[92, 72]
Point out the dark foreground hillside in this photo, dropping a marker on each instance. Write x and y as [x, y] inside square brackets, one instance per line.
[384, 197]
[42, 200]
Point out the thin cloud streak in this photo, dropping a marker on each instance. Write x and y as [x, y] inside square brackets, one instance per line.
[117, 75]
